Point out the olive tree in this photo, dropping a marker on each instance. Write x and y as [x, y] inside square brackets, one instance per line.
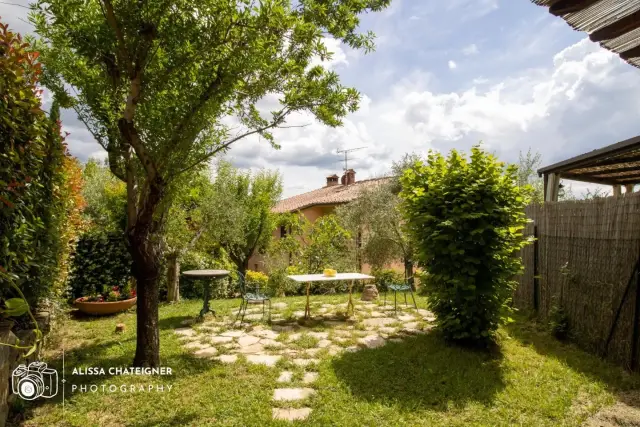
[166, 85]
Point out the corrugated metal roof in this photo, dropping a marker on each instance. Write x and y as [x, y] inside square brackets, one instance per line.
[615, 24]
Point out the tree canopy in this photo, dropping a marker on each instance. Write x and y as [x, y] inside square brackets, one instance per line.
[164, 86]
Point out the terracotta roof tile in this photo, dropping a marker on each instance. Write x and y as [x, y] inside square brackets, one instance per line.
[333, 195]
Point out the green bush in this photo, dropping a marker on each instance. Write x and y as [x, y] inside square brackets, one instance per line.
[32, 177]
[100, 262]
[466, 217]
[256, 279]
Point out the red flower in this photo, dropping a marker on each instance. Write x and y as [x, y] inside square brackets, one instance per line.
[115, 288]
[133, 293]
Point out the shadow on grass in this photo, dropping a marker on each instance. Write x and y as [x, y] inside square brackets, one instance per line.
[173, 322]
[422, 372]
[530, 333]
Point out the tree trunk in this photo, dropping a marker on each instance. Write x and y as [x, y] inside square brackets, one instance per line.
[146, 253]
[408, 272]
[146, 271]
[173, 278]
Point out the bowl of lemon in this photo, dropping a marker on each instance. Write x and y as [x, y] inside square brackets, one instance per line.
[328, 272]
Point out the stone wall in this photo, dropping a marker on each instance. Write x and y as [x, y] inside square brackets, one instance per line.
[10, 357]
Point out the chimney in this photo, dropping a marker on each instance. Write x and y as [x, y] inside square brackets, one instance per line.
[332, 180]
[349, 177]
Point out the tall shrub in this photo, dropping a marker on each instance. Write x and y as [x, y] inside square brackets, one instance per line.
[35, 178]
[466, 217]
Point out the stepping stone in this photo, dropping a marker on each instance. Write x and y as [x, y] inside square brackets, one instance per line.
[185, 332]
[220, 340]
[233, 334]
[279, 305]
[309, 377]
[271, 343]
[227, 358]
[196, 345]
[382, 321]
[334, 350]
[312, 351]
[285, 377]
[288, 414]
[324, 343]
[396, 340]
[411, 325]
[188, 322]
[426, 313]
[352, 349]
[294, 337]
[288, 394]
[372, 341]
[320, 335]
[388, 330]
[247, 340]
[377, 314]
[328, 306]
[342, 333]
[263, 359]
[251, 349]
[305, 362]
[253, 316]
[406, 318]
[267, 333]
[340, 340]
[206, 352]
[299, 313]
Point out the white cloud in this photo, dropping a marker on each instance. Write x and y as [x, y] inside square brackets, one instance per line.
[574, 106]
[472, 49]
[452, 65]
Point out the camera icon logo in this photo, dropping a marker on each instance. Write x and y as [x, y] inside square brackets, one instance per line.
[35, 380]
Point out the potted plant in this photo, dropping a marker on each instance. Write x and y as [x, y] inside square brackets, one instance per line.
[112, 300]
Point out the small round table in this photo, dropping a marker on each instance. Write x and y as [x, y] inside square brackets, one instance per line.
[203, 275]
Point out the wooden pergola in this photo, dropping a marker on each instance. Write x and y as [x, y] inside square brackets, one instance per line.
[615, 24]
[617, 165]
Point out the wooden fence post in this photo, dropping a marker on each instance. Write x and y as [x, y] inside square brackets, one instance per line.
[636, 325]
[536, 272]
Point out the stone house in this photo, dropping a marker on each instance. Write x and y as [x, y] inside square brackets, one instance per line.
[323, 201]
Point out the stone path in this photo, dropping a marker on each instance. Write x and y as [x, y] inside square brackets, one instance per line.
[297, 350]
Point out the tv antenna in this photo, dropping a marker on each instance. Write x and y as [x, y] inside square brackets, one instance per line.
[346, 155]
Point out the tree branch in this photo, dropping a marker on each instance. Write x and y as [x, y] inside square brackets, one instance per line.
[122, 46]
[232, 140]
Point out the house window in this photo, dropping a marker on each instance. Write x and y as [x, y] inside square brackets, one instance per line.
[283, 231]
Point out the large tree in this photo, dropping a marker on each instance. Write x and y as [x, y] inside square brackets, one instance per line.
[375, 216]
[248, 222]
[165, 85]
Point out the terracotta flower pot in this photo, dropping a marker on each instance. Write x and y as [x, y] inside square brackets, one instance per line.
[104, 308]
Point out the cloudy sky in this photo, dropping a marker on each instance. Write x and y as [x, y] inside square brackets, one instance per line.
[447, 75]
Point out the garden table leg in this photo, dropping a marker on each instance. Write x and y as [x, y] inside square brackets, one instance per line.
[350, 303]
[307, 308]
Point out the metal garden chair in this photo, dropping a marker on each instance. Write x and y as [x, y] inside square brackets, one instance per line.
[251, 296]
[404, 288]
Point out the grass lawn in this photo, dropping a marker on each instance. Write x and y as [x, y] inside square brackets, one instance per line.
[533, 380]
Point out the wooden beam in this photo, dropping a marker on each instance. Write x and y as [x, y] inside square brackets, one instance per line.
[570, 6]
[628, 188]
[605, 173]
[634, 52]
[589, 179]
[617, 28]
[617, 190]
[553, 186]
